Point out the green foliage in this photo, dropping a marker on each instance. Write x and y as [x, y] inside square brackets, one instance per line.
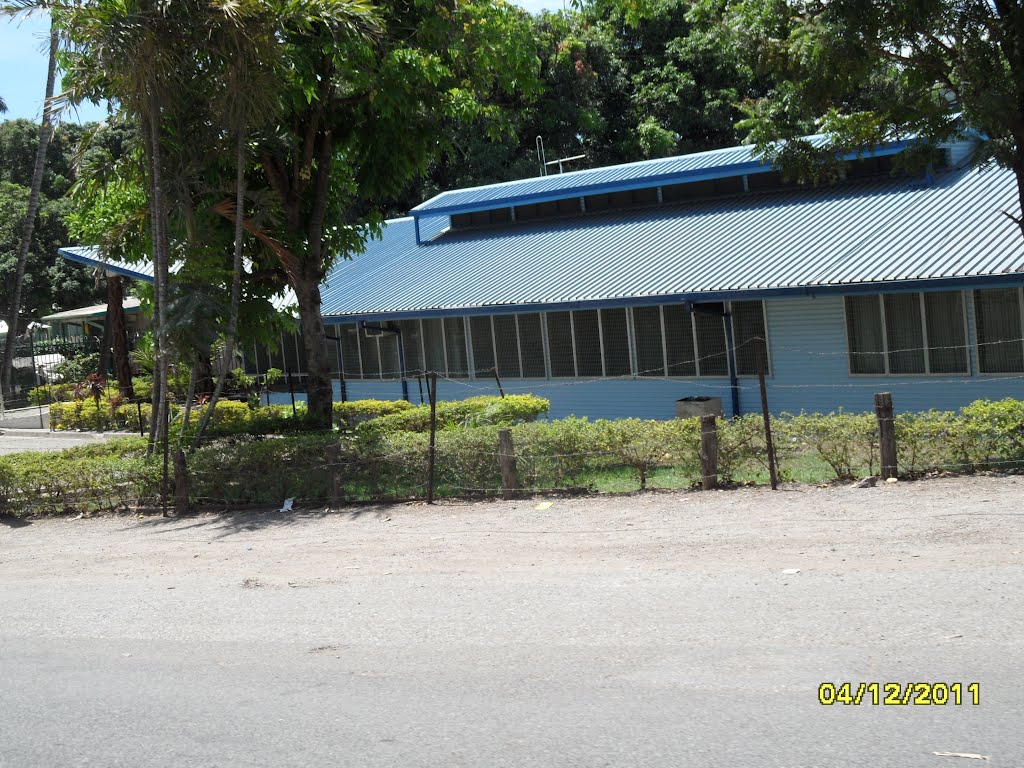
[269, 454]
[108, 476]
[354, 412]
[473, 411]
[847, 442]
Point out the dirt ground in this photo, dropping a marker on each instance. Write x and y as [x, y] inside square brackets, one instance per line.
[923, 524]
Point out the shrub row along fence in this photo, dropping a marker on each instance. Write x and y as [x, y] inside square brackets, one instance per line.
[491, 446]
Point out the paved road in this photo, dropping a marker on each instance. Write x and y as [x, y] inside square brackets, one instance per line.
[656, 630]
[17, 440]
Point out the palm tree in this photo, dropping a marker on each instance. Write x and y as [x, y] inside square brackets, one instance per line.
[45, 133]
[3, 105]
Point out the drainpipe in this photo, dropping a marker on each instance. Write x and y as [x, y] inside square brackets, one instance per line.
[734, 385]
[401, 354]
[730, 349]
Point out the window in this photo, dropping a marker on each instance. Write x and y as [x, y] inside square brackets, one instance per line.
[368, 355]
[750, 337]
[433, 346]
[412, 346]
[531, 346]
[712, 357]
[455, 347]
[650, 354]
[615, 342]
[587, 338]
[906, 333]
[997, 313]
[506, 339]
[679, 339]
[483, 345]
[388, 346]
[865, 337]
[560, 348]
[350, 351]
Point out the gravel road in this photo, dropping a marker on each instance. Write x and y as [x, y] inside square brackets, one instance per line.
[647, 630]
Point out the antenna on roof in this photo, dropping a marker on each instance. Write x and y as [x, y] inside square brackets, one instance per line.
[544, 162]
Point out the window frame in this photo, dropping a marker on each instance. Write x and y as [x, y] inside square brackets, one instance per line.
[977, 341]
[926, 349]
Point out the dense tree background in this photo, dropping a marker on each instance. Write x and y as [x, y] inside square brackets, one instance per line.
[51, 282]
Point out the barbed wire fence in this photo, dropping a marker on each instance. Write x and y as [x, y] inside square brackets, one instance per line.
[335, 472]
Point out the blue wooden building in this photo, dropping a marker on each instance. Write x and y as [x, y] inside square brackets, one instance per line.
[616, 291]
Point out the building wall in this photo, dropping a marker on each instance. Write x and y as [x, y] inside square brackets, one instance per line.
[808, 350]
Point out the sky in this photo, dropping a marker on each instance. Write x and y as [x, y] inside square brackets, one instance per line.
[23, 43]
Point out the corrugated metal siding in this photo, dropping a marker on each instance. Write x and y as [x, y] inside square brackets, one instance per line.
[858, 233]
[716, 163]
[807, 341]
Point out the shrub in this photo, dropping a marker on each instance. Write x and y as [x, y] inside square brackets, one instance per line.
[354, 412]
[643, 446]
[845, 441]
[107, 476]
[473, 411]
[556, 454]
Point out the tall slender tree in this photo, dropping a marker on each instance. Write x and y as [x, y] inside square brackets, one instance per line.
[45, 133]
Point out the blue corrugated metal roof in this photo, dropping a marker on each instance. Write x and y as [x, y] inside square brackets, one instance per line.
[845, 238]
[90, 256]
[717, 163]
[143, 270]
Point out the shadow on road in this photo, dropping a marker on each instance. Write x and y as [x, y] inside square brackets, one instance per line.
[14, 522]
[224, 524]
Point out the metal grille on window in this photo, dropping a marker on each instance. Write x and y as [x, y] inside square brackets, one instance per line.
[291, 354]
[751, 337]
[455, 347]
[350, 351]
[483, 346]
[903, 332]
[369, 355]
[433, 345]
[587, 338]
[389, 365]
[300, 351]
[864, 334]
[650, 358]
[615, 339]
[560, 344]
[711, 349]
[506, 342]
[531, 346]
[679, 341]
[998, 317]
[412, 345]
[947, 338]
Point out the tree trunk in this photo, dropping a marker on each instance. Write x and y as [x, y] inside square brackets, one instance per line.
[103, 364]
[45, 133]
[160, 273]
[119, 334]
[319, 391]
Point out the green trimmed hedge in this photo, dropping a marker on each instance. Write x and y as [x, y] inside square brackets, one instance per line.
[318, 468]
[471, 412]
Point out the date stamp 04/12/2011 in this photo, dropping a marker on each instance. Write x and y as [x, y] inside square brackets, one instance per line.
[900, 694]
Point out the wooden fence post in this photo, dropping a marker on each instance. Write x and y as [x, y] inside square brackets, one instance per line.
[507, 458]
[709, 452]
[433, 437]
[772, 472]
[886, 434]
